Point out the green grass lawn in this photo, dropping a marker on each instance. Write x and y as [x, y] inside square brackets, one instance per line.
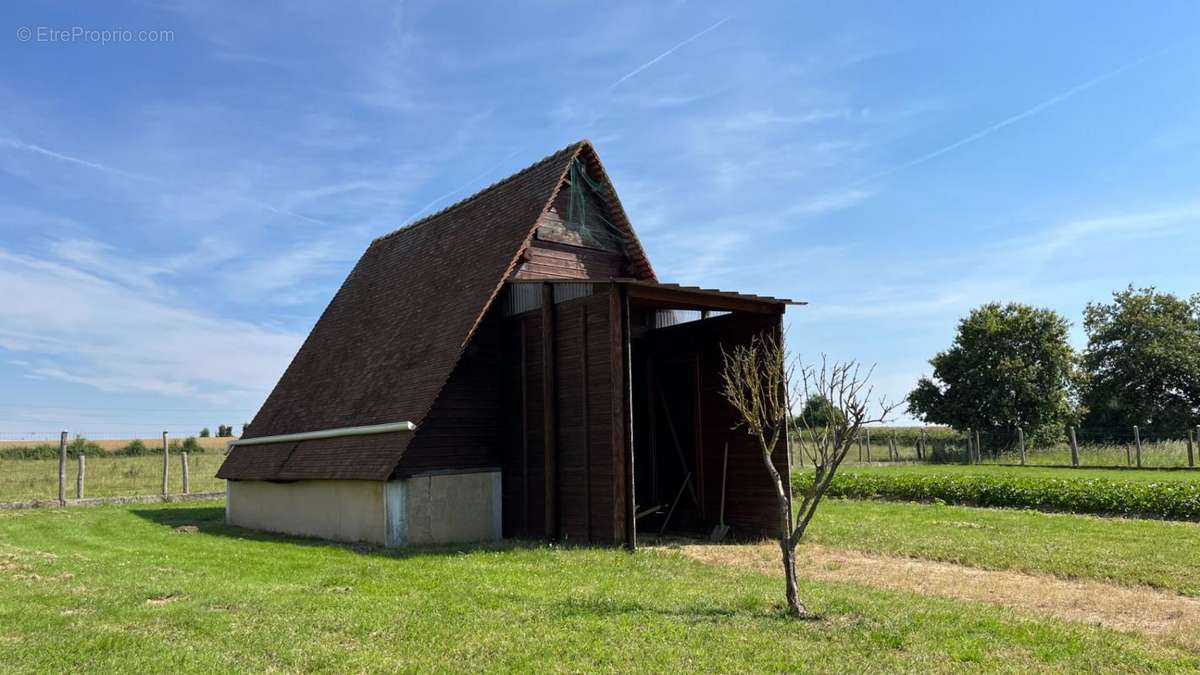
[1155, 553]
[116, 589]
[29, 479]
[1038, 471]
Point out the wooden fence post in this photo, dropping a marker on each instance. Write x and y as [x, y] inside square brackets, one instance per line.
[868, 445]
[62, 468]
[921, 446]
[79, 478]
[1021, 444]
[1137, 440]
[1074, 448]
[166, 467]
[1192, 458]
[970, 446]
[978, 449]
[183, 458]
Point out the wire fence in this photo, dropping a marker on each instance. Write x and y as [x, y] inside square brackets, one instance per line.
[36, 473]
[1129, 447]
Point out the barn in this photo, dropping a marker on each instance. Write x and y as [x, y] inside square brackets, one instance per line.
[510, 367]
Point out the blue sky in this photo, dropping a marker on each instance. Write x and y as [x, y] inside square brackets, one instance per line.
[175, 213]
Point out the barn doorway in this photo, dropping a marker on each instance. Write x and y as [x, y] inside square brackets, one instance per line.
[668, 462]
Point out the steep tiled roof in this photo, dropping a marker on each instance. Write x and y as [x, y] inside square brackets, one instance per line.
[388, 341]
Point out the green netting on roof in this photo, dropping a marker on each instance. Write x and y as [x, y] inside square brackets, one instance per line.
[585, 212]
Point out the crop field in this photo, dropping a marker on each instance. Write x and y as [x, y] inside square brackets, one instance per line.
[947, 446]
[1139, 493]
[30, 479]
[119, 588]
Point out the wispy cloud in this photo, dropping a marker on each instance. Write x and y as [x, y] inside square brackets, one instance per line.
[667, 53]
[83, 328]
[1009, 121]
[18, 144]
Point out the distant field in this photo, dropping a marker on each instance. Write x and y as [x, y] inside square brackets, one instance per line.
[30, 479]
[112, 445]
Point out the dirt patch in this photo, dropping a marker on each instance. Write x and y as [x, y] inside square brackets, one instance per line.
[1150, 612]
[187, 529]
[165, 599]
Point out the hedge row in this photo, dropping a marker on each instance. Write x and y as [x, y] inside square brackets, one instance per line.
[1172, 500]
[82, 446]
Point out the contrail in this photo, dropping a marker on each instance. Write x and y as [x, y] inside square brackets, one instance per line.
[29, 147]
[988, 131]
[667, 53]
[103, 168]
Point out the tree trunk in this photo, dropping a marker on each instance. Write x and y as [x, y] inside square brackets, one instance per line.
[795, 607]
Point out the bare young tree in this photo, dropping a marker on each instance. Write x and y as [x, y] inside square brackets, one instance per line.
[762, 386]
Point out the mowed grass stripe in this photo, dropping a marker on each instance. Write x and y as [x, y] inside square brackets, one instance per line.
[113, 588]
[1160, 554]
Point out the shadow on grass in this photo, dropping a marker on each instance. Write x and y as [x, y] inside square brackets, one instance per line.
[211, 521]
[603, 606]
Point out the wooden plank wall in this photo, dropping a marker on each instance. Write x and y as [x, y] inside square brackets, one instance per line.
[750, 504]
[553, 255]
[589, 470]
[462, 428]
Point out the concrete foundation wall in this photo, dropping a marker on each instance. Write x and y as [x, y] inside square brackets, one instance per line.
[428, 509]
[452, 508]
[339, 510]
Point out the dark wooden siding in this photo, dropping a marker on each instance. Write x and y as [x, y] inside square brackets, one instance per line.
[589, 470]
[557, 253]
[462, 430]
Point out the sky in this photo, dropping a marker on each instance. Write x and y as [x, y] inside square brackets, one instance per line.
[183, 186]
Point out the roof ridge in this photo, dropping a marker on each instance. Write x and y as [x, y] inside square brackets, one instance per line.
[576, 146]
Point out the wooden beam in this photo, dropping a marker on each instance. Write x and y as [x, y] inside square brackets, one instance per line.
[524, 431]
[688, 299]
[627, 418]
[587, 425]
[549, 410]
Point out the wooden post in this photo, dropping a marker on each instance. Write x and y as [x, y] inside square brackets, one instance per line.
[166, 468]
[184, 461]
[1137, 441]
[1191, 458]
[79, 477]
[970, 446]
[1074, 448]
[921, 453]
[1021, 444]
[62, 468]
[860, 455]
[868, 445]
[1191, 450]
[549, 414]
[978, 449]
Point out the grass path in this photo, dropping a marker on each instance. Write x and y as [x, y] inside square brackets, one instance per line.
[1155, 553]
[118, 589]
[1155, 614]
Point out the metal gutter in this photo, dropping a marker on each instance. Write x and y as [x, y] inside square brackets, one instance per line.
[327, 433]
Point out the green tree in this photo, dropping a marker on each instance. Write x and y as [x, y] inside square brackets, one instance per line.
[818, 412]
[1009, 366]
[205, 433]
[1142, 362]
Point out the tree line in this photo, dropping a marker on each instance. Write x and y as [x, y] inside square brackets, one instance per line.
[1012, 365]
